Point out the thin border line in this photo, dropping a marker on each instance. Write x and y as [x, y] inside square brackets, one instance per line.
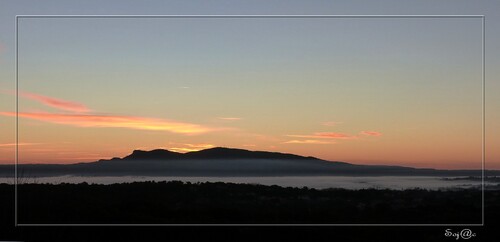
[250, 16]
[256, 225]
[483, 158]
[16, 152]
[253, 16]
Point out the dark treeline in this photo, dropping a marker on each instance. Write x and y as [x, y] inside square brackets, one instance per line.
[177, 202]
[226, 203]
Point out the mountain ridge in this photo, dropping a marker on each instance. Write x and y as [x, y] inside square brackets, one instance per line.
[210, 153]
[221, 162]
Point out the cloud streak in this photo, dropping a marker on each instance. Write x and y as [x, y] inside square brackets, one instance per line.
[330, 123]
[333, 135]
[229, 118]
[80, 116]
[14, 144]
[309, 141]
[114, 121]
[371, 133]
[328, 137]
[325, 135]
[56, 103]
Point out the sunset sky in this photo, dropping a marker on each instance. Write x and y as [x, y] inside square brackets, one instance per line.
[368, 91]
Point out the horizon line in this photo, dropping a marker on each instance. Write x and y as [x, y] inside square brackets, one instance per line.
[255, 16]
[275, 152]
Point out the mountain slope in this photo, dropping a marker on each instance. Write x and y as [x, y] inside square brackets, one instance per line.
[222, 162]
[212, 153]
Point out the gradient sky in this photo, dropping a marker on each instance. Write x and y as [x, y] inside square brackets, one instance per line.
[367, 91]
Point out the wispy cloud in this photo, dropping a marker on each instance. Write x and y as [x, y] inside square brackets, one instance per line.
[333, 135]
[114, 121]
[56, 103]
[14, 144]
[309, 141]
[325, 135]
[81, 117]
[330, 123]
[371, 133]
[229, 118]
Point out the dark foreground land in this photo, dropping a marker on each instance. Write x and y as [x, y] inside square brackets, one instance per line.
[223, 203]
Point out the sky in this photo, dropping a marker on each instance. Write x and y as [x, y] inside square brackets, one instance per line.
[395, 91]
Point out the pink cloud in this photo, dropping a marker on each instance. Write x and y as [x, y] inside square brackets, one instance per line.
[81, 118]
[56, 103]
[332, 135]
[309, 142]
[371, 133]
[326, 135]
[113, 121]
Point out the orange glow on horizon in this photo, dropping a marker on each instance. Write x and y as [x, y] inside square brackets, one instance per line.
[52, 145]
[191, 147]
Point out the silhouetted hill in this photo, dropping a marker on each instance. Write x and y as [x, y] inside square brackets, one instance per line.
[223, 162]
[231, 153]
[158, 154]
[212, 153]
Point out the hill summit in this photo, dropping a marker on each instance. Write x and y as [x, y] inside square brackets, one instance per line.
[213, 154]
